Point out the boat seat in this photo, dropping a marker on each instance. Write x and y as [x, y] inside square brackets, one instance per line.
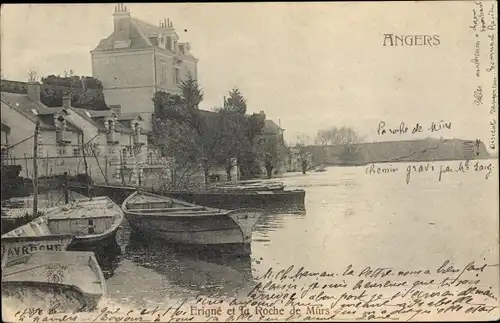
[29, 231]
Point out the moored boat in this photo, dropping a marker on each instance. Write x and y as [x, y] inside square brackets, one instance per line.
[286, 200]
[70, 281]
[251, 186]
[93, 223]
[21, 246]
[17, 211]
[178, 222]
[270, 200]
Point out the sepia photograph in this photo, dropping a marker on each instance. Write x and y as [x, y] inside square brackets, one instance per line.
[250, 162]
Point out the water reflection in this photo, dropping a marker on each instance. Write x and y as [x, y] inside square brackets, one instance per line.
[273, 221]
[109, 259]
[193, 271]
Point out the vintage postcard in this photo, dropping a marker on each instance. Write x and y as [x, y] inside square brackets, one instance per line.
[250, 162]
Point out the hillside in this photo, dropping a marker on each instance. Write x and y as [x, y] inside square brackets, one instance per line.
[398, 151]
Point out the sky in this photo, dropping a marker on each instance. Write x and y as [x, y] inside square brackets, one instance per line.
[309, 66]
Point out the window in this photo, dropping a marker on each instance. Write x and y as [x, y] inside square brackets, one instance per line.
[163, 73]
[175, 46]
[169, 42]
[76, 152]
[61, 150]
[177, 76]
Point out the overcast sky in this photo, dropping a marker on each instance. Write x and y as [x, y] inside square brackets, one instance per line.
[309, 65]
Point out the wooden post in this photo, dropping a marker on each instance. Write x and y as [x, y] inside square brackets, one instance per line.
[35, 169]
[106, 169]
[99, 165]
[86, 167]
[66, 190]
[26, 163]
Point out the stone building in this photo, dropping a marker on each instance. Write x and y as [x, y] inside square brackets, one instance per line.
[113, 140]
[137, 59]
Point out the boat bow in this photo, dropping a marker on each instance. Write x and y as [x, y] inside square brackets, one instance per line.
[246, 219]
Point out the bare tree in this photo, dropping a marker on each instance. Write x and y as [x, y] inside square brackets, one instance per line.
[69, 73]
[337, 136]
[32, 75]
[345, 136]
[302, 140]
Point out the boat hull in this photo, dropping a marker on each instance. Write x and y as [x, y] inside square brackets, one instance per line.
[218, 229]
[94, 243]
[68, 281]
[189, 224]
[21, 246]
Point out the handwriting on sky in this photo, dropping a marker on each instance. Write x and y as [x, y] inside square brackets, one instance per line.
[297, 294]
[441, 170]
[483, 26]
[402, 129]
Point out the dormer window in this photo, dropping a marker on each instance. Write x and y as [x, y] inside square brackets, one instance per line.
[110, 127]
[61, 136]
[169, 43]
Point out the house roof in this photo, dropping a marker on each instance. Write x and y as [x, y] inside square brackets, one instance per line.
[98, 117]
[143, 35]
[129, 116]
[34, 110]
[85, 114]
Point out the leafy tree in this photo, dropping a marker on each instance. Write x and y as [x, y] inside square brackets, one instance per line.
[236, 102]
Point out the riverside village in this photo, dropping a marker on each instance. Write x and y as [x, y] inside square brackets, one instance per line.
[119, 178]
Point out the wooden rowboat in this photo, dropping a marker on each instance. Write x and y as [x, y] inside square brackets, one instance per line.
[178, 222]
[42, 280]
[92, 222]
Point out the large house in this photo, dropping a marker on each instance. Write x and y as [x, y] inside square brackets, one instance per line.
[111, 139]
[137, 59]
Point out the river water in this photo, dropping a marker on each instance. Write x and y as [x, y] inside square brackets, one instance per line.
[352, 218]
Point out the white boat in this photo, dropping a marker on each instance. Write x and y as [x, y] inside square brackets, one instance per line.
[42, 280]
[16, 207]
[178, 222]
[92, 222]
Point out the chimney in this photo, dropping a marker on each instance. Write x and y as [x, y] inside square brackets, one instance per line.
[121, 22]
[66, 100]
[34, 91]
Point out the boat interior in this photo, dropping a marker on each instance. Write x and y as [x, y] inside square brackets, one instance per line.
[82, 217]
[152, 203]
[79, 269]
